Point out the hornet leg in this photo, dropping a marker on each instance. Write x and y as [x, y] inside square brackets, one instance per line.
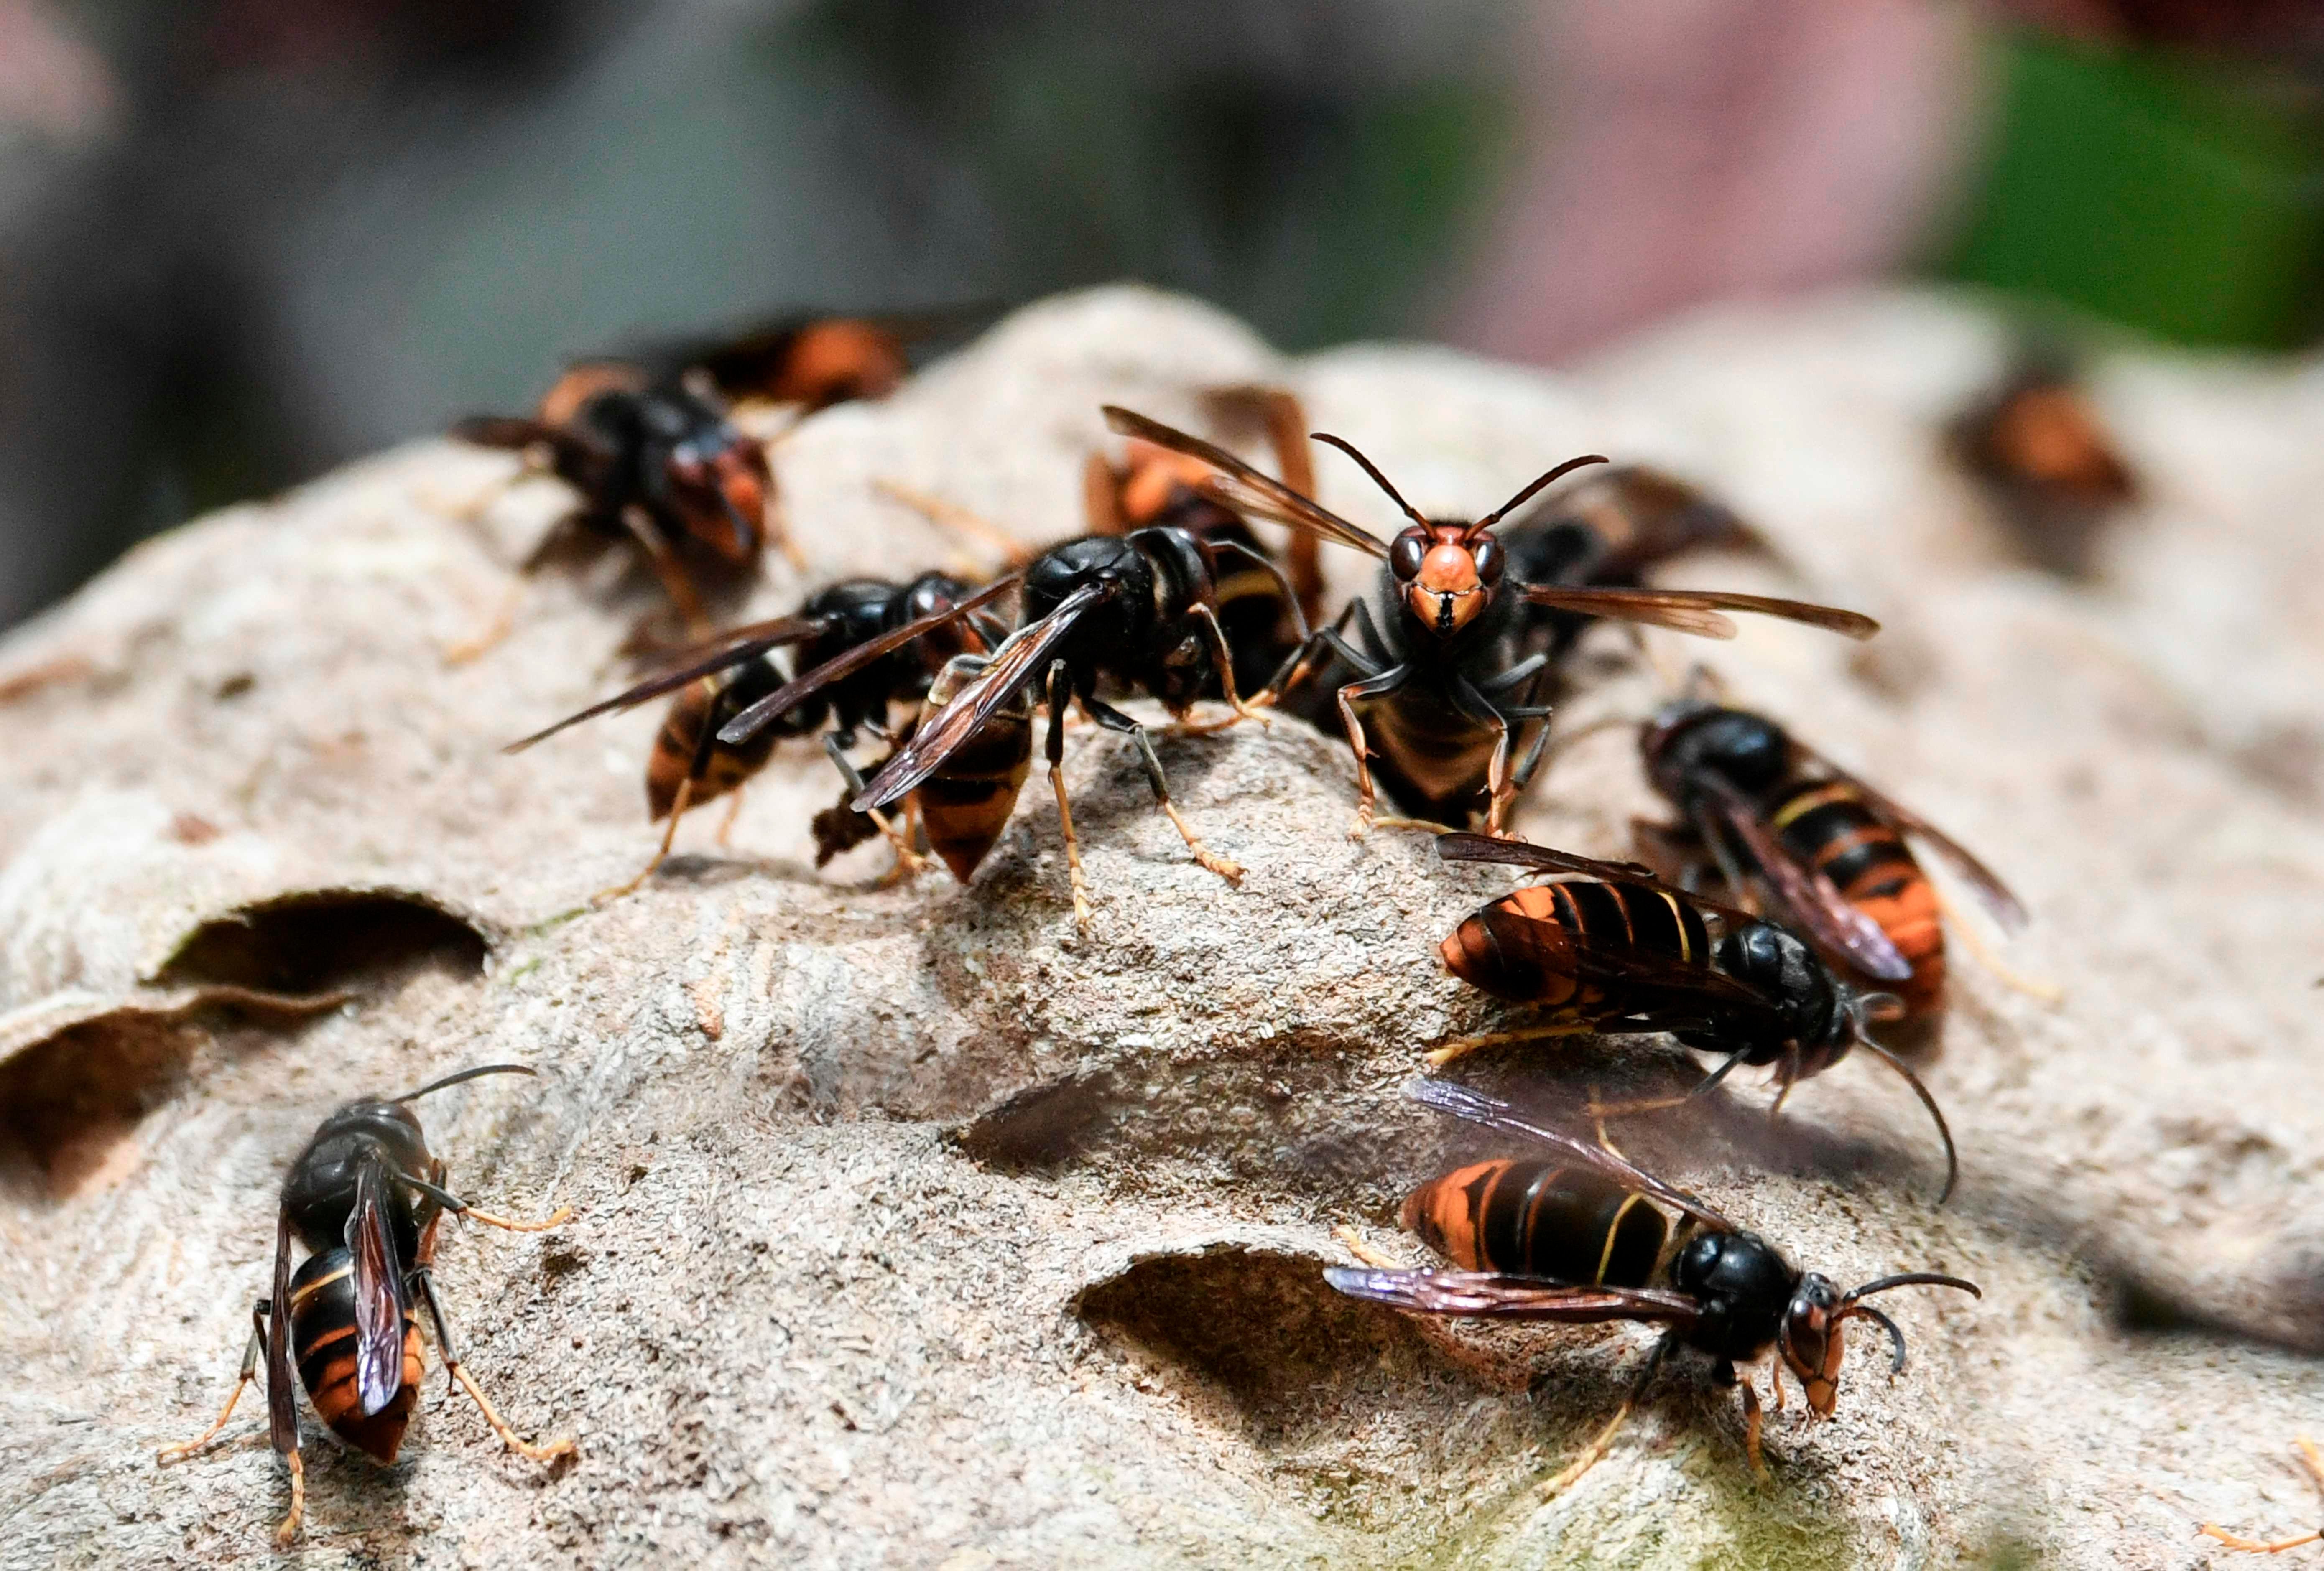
[1113, 719]
[258, 1313]
[1752, 1419]
[1595, 1452]
[675, 581]
[1974, 941]
[1386, 682]
[2315, 1460]
[1223, 657]
[460, 1208]
[909, 863]
[1061, 691]
[661, 852]
[1462, 1046]
[459, 1373]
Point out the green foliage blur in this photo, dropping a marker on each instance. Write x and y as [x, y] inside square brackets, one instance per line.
[2176, 194]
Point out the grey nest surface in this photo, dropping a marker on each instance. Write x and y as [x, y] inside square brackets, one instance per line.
[919, 1227]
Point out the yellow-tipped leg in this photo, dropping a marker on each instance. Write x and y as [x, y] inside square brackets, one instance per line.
[1592, 1454]
[2253, 1546]
[1462, 1046]
[1230, 871]
[1353, 1241]
[1427, 825]
[1204, 728]
[1751, 1422]
[1225, 659]
[733, 812]
[1366, 808]
[169, 1454]
[2315, 1460]
[1632, 1109]
[557, 1218]
[1974, 941]
[661, 852]
[548, 1452]
[910, 863]
[1072, 850]
[290, 1527]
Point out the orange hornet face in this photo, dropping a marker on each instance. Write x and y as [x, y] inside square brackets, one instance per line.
[1811, 1341]
[1445, 575]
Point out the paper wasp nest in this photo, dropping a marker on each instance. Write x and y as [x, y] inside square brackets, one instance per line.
[917, 1228]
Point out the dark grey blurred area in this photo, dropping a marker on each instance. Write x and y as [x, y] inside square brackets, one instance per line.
[244, 241]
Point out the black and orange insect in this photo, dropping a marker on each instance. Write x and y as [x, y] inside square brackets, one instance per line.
[1139, 609]
[656, 463]
[366, 1198]
[1152, 485]
[1581, 1236]
[1794, 833]
[1607, 947]
[1443, 668]
[1610, 526]
[1263, 606]
[809, 360]
[733, 674]
[2047, 460]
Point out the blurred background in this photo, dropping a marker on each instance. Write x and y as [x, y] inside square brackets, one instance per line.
[242, 241]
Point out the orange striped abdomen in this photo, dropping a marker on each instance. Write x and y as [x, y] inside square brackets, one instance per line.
[696, 708]
[1538, 1219]
[1519, 947]
[1516, 948]
[1830, 825]
[323, 1345]
[966, 803]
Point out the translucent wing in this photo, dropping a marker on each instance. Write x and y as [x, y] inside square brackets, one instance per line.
[1018, 662]
[379, 1290]
[1495, 1114]
[1244, 489]
[281, 1395]
[1809, 898]
[755, 719]
[1518, 853]
[2004, 905]
[1695, 611]
[1491, 1295]
[727, 650]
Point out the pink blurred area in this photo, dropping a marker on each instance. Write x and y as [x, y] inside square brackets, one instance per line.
[52, 82]
[1683, 150]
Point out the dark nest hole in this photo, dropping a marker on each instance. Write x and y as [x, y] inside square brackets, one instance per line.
[1042, 1127]
[68, 1107]
[312, 944]
[1260, 1327]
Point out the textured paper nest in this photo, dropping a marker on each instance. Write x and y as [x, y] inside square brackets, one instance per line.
[917, 1228]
